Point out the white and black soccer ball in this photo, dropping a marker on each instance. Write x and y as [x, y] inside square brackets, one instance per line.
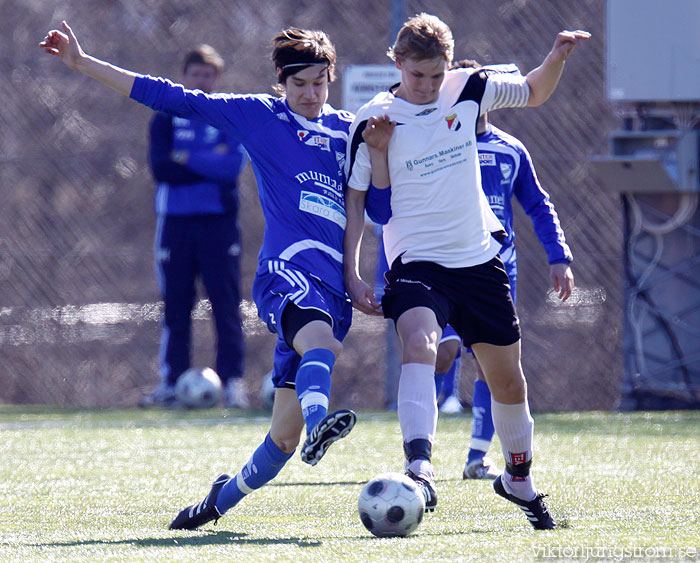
[198, 388]
[391, 505]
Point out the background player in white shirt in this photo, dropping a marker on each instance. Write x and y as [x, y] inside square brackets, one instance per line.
[420, 138]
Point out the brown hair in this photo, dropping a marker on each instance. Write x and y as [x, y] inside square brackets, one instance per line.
[295, 49]
[204, 55]
[423, 37]
[466, 63]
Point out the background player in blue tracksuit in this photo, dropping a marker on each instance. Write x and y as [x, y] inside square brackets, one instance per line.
[297, 144]
[195, 167]
[506, 171]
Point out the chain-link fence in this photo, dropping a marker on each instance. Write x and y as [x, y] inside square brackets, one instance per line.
[79, 310]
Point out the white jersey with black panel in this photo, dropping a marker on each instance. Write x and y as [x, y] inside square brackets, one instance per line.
[439, 211]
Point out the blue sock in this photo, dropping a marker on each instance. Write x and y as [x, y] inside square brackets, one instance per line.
[313, 384]
[262, 467]
[482, 424]
[451, 377]
[439, 381]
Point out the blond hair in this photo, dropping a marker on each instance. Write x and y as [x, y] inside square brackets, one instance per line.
[423, 37]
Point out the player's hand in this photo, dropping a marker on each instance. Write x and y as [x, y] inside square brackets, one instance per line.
[562, 280]
[565, 43]
[363, 298]
[63, 45]
[378, 132]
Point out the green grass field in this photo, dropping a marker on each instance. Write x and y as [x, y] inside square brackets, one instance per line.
[83, 485]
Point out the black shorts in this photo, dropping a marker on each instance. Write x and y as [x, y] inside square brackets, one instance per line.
[476, 301]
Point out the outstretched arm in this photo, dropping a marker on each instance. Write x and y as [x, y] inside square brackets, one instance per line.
[544, 79]
[65, 46]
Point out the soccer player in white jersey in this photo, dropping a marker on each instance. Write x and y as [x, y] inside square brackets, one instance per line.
[297, 145]
[441, 240]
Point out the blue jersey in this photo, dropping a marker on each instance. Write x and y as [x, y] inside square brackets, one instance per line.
[298, 164]
[507, 171]
[206, 185]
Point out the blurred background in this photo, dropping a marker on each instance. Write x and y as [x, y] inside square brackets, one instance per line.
[79, 305]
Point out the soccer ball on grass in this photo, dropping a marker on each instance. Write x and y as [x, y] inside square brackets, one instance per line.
[391, 505]
[198, 388]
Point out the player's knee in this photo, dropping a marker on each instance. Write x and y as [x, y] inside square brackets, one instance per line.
[286, 443]
[511, 390]
[419, 347]
[336, 347]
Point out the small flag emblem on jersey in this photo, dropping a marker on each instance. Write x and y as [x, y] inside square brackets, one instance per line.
[453, 123]
[302, 134]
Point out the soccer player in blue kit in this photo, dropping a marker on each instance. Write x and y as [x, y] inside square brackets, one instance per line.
[443, 240]
[195, 167]
[297, 145]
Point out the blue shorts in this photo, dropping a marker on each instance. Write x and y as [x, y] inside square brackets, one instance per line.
[277, 284]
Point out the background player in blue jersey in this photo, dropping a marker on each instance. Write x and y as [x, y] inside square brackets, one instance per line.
[195, 167]
[506, 172]
[296, 144]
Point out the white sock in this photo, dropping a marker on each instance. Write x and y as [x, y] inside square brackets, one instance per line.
[515, 428]
[417, 406]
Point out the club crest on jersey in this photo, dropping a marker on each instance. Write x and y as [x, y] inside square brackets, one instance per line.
[409, 165]
[506, 171]
[340, 158]
[453, 123]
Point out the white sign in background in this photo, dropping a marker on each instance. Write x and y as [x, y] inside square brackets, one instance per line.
[362, 82]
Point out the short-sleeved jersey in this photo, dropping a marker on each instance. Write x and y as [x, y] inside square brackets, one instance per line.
[507, 171]
[439, 211]
[298, 164]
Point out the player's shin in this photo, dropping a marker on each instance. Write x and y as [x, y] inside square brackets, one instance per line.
[417, 412]
[515, 428]
[263, 466]
[313, 385]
